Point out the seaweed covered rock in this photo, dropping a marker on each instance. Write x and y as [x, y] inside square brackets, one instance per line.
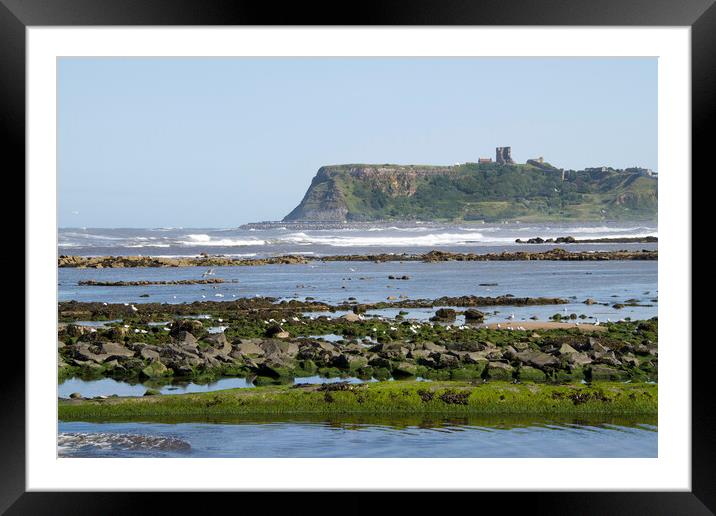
[444, 314]
[474, 316]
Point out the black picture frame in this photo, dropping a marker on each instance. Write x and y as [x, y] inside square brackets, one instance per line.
[17, 15]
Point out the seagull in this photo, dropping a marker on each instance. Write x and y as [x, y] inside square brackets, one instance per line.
[210, 272]
[596, 323]
[105, 304]
[511, 316]
[134, 308]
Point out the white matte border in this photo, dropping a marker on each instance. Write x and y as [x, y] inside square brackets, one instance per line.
[670, 471]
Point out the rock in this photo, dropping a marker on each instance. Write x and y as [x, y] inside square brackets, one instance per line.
[404, 369]
[432, 347]
[219, 342]
[474, 357]
[282, 335]
[274, 368]
[149, 354]
[276, 347]
[630, 360]
[537, 359]
[379, 362]
[589, 301]
[192, 326]
[566, 349]
[607, 358]
[473, 315]
[185, 339]
[84, 351]
[499, 369]
[579, 359]
[60, 344]
[520, 346]
[114, 349]
[532, 374]
[510, 352]
[249, 347]
[444, 314]
[418, 353]
[74, 330]
[75, 396]
[352, 317]
[606, 373]
[597, 346]
[112, 364]
[445, 361]
[346, 361]
[273, 330]
[155, 369]
[152, 392]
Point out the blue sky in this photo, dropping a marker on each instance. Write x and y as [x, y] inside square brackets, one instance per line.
[211, 142]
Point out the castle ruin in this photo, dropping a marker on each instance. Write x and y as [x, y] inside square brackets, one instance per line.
[503, 155]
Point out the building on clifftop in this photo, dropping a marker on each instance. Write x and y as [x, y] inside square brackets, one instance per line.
[503, 155]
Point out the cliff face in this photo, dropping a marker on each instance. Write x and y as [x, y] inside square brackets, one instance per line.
[473, 192]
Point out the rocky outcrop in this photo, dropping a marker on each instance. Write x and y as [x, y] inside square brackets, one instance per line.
[363, 192]
[606, 240]
[100, 262]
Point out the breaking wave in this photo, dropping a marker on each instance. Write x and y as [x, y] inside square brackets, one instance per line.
[430, 240]
[206, 240]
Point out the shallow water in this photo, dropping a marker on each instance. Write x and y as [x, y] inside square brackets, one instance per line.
[363, 437]
[110, 386]
[605, 282]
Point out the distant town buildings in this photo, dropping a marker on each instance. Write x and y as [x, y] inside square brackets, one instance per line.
[484, 160]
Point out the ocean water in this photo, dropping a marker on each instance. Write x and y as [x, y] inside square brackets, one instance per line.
[363, 437]
[334, 282]
[356, 239]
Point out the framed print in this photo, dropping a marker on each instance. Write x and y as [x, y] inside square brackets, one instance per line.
[432, 249]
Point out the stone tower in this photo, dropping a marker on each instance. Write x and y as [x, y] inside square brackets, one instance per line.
[503, 155]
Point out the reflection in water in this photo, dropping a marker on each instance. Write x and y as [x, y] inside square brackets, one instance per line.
[363, 436]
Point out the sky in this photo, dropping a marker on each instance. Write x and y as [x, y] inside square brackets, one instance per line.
[219, 142]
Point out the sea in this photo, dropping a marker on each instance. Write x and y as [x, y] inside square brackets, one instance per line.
[606, 282]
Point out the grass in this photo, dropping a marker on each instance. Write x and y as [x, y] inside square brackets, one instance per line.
[447, 398]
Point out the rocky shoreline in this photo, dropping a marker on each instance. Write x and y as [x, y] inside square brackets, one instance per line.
[205, 260]
[557, 254]
[95, 311]
[606, 240]
[274, 343]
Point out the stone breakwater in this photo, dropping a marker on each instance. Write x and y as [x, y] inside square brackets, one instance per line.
[99, 262]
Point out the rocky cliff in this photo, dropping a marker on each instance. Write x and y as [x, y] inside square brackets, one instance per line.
[472, 191]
